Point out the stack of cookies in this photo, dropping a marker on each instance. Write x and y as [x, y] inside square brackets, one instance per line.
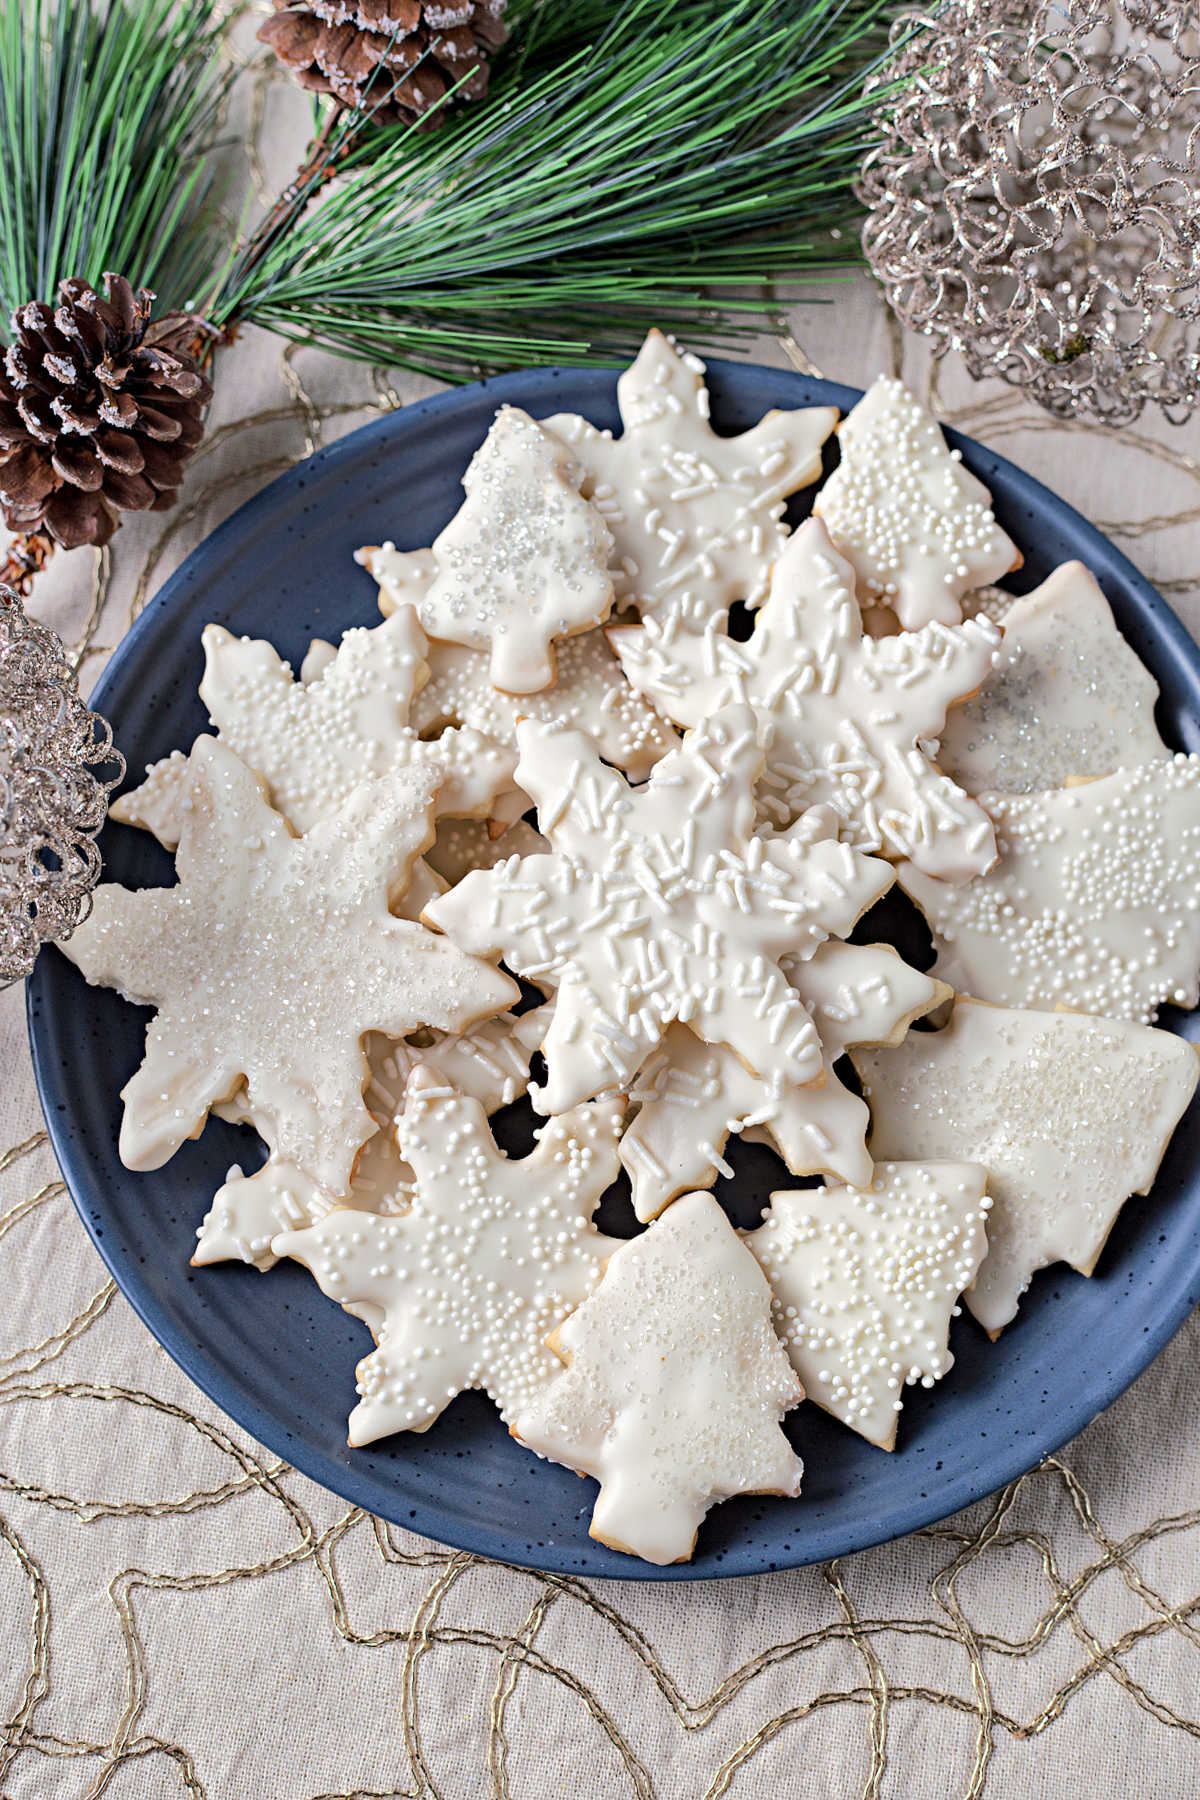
[592, 817]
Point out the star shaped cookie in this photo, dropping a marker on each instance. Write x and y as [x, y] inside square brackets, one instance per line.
[696, 519]
[915, 524]
[464, 1288]
[691, 1095]
[659, 904]
[313, 741]
[271, 959]
[1069, 1115]
[1093, 902]
[866, 1280]
[675, 1386]
[1068, 697]
[842, 714]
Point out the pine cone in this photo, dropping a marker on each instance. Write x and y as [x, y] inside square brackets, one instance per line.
[99, 411]
[392, 58]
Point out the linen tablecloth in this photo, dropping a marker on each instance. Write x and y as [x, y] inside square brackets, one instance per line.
[181, 1614]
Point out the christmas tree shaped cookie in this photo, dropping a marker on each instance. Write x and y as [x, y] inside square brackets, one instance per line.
[675, 1386]
[691, 1096]
[1093, 902]
[1068, 697]
[659, 904]
[523, 562]
[916, 525]
[464, 1288]
[696, 519]
[271, 959]
[843, 715]
[314, 740]
[866, 1280]
[1069, 1115]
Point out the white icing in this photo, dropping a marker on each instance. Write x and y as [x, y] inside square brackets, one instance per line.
[659, 903]
[1068, 697]
[841, 713]
[866, 1280]
[675, 1388]
[489, 1064]
[491, 1256]
[465, 844]
[523, 562]
[916, 525]
[269, 961]
[1069, 1115]
[1094, 902]
[693, 1095]
[696, 519]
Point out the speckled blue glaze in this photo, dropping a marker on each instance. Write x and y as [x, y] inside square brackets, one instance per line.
[275, 1354]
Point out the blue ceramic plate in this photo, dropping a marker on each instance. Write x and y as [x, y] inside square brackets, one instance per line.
[275, 1354]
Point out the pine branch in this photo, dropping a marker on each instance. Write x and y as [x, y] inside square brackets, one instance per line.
[108, 115]
[634, 163]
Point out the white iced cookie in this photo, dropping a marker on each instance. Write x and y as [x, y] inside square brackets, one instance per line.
[1094, 902]
[314, 741]
[271, 959]
[691, 1096]
[866, 1281]
[489, 1064]
[842, 714]
[675, 1386]
[1069, 1115]
[658, 904]
[696, 519]
[523, 562]
[1068, 697]
[589, 692]
[465, 844]
[917, 526]
[464, 1288]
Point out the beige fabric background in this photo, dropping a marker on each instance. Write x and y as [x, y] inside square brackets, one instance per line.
[179, 1614]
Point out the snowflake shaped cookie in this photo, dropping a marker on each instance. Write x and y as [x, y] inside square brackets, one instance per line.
[659, 904]
[1069, 1115]
[313, 741]
[915, 524]
[465, 1287]
[842, 713]
[696, 519]
[465, 844]
[523, 562]
[1093, 903]
[1068, 697]
[490, 1064]
[675, 1386]
[693, 1095]
[866, 1280]
[271, 959]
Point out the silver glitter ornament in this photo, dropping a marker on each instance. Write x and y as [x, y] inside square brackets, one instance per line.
[57, 769]
[1034, 202]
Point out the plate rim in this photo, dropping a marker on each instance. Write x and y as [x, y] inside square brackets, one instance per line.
[425, 1518]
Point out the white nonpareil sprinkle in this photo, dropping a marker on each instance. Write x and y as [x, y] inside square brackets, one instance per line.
[1094, 902]
[1069, 1115]
[916, 525]
[865, 1282]
[463, 1289]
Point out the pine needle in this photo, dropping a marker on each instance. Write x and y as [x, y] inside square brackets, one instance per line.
[108, 113]
[634, 163]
